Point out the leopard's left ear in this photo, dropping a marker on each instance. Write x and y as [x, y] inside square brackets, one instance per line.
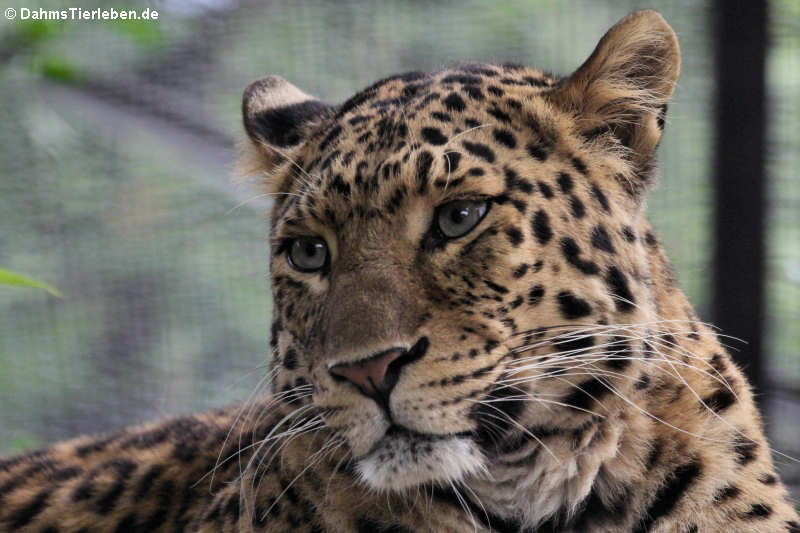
[278, 118]
[620, 93]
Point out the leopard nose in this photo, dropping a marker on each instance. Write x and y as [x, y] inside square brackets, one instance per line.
[372, 375]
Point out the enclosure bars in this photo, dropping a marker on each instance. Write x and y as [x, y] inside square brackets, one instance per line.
[739, 179]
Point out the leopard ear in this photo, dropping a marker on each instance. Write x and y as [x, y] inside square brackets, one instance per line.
[278, 118]
[619, 95]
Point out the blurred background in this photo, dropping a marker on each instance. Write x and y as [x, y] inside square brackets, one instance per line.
[116, 147]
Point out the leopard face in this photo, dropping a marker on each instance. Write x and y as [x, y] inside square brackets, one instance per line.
[461, 255]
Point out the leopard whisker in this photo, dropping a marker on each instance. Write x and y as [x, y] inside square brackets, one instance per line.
[660, 420]
[265, 462]
[346, 457]
[449, 168]
[537, 398]
[462, 502]
[519, 426]
[258, 197]
[241, 411]
[599, 358]
[330, 445]
[470, 130]
[241, 449]
[286, 433]
[554, 357]
[478, 500]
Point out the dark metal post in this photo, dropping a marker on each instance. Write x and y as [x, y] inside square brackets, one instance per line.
[740, 178]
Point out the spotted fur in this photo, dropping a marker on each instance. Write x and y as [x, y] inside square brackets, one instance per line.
[547, 373]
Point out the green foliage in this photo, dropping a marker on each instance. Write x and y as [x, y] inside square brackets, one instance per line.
[35, 31]
[23, 441]
[18, 280]
[143, 32]
[58, 69]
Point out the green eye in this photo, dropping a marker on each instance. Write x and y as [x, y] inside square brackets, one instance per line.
[459, 217]
[308, 254]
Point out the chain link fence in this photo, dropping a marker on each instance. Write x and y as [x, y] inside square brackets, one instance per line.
[117, 141]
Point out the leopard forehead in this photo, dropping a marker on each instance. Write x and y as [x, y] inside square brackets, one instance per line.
[402, 113]
[468, 130]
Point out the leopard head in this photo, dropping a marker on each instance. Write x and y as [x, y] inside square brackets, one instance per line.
[459, 256]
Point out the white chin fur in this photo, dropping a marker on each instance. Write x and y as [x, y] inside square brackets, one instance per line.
[403, 461]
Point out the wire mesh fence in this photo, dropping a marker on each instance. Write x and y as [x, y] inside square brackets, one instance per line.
[116, 150]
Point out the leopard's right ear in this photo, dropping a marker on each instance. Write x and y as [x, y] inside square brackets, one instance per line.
[278, 117]
[619, 96]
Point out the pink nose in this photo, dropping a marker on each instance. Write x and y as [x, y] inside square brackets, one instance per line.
[372, 375]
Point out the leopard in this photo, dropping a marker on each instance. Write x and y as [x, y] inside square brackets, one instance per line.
[475, 328]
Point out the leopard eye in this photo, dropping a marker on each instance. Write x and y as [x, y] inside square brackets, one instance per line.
[457, 218]
[308, 254]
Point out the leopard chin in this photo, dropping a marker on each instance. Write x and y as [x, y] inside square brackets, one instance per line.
[403, 459]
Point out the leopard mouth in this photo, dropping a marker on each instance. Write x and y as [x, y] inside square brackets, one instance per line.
[398, 431]
[405, 458]
[416, 438]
